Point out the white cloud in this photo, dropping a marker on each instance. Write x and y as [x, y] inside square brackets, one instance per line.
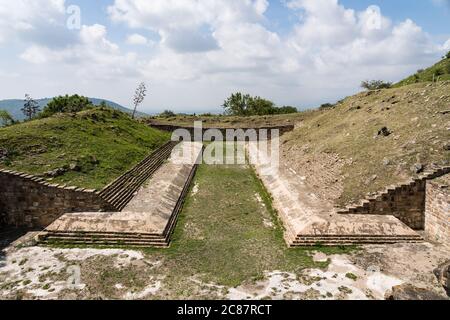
[209, 48]
[137, 39]
[186, 25]
[40, 21]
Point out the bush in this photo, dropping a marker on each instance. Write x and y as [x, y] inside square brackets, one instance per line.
[447, 56]
[67, 104]
[326, 106]
[439, 72]
[5, 118]
[167, 114]
[375, 84]
[287, 110]
[239, 104]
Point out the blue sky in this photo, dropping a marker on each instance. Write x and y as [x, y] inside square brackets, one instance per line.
[193, 53]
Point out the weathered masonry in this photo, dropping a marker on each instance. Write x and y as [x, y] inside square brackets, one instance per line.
[261, 133]
[422, 204]
[31, 202]
[437, 210]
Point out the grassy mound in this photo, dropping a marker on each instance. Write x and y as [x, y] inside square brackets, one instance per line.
[89, 149]
[369, 158]
[221, 121]
[439, 72]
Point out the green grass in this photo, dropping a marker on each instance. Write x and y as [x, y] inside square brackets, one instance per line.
[221, 239]
[103, 143]
[222, 121]
[439, 72]
[221, 236]
[419, 131]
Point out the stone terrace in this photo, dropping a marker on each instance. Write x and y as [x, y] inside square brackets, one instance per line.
[310, 221]
[148, 219]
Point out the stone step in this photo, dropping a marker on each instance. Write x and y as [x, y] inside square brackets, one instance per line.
[106, 234]
[343, 239]
[121, 191]
[345, 244]
[299, 237]
[141, 244]
[132, 180]
[105, 239]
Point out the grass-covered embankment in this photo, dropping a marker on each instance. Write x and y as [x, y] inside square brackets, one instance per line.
[91, 147]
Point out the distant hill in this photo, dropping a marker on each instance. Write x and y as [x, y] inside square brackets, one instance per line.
[14, 106]
[100, 145]
[439, 72]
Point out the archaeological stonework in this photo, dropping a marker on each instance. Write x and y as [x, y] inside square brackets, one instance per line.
[30, 202]
[405, 201]
[437, 210]
[282, 129]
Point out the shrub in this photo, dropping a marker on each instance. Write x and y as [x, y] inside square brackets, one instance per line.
[239, 104]
[5, 118]
[66, 104]
[326, 106]
[167, 114]
[375, 84]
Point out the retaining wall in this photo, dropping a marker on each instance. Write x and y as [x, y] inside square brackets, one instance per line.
[437, 212]
[239, 137]
[29, 201]
[404, 201]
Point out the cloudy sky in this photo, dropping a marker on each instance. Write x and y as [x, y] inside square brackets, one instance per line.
[195, 53]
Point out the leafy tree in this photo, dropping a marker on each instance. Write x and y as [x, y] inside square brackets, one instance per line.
[167, 114]
[30, 108]
[287, 110]
[139, 96]
[375, 84]
[447, 56]
[67, 104]
[326, 106]
[239, 104]
[5, 118]
[258, 107]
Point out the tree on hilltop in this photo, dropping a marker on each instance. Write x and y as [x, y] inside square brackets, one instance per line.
[375, 84]
[139, 96]
[67, 104]
[30, 108]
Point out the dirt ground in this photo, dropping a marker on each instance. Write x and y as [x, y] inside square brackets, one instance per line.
[368, 273]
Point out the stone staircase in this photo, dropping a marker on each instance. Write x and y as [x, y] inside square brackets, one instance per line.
[308, 221]
[121, 191]
[365, 204]
[349, 240]
[141, 223]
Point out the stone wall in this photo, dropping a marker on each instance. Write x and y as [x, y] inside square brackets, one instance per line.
[240, 137]
[30, 202]
[404, 201]
[437, 211]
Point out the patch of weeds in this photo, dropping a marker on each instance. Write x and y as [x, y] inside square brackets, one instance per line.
[26, 282]
[345, 290]
[351, 276]
[23, 261]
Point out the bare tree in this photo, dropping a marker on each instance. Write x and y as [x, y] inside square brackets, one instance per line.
[31, 107]
[139, 96]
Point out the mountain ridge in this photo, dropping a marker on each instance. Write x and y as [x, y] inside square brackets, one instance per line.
[14, 106]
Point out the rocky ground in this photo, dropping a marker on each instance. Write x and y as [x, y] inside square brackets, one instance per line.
[29, 272]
